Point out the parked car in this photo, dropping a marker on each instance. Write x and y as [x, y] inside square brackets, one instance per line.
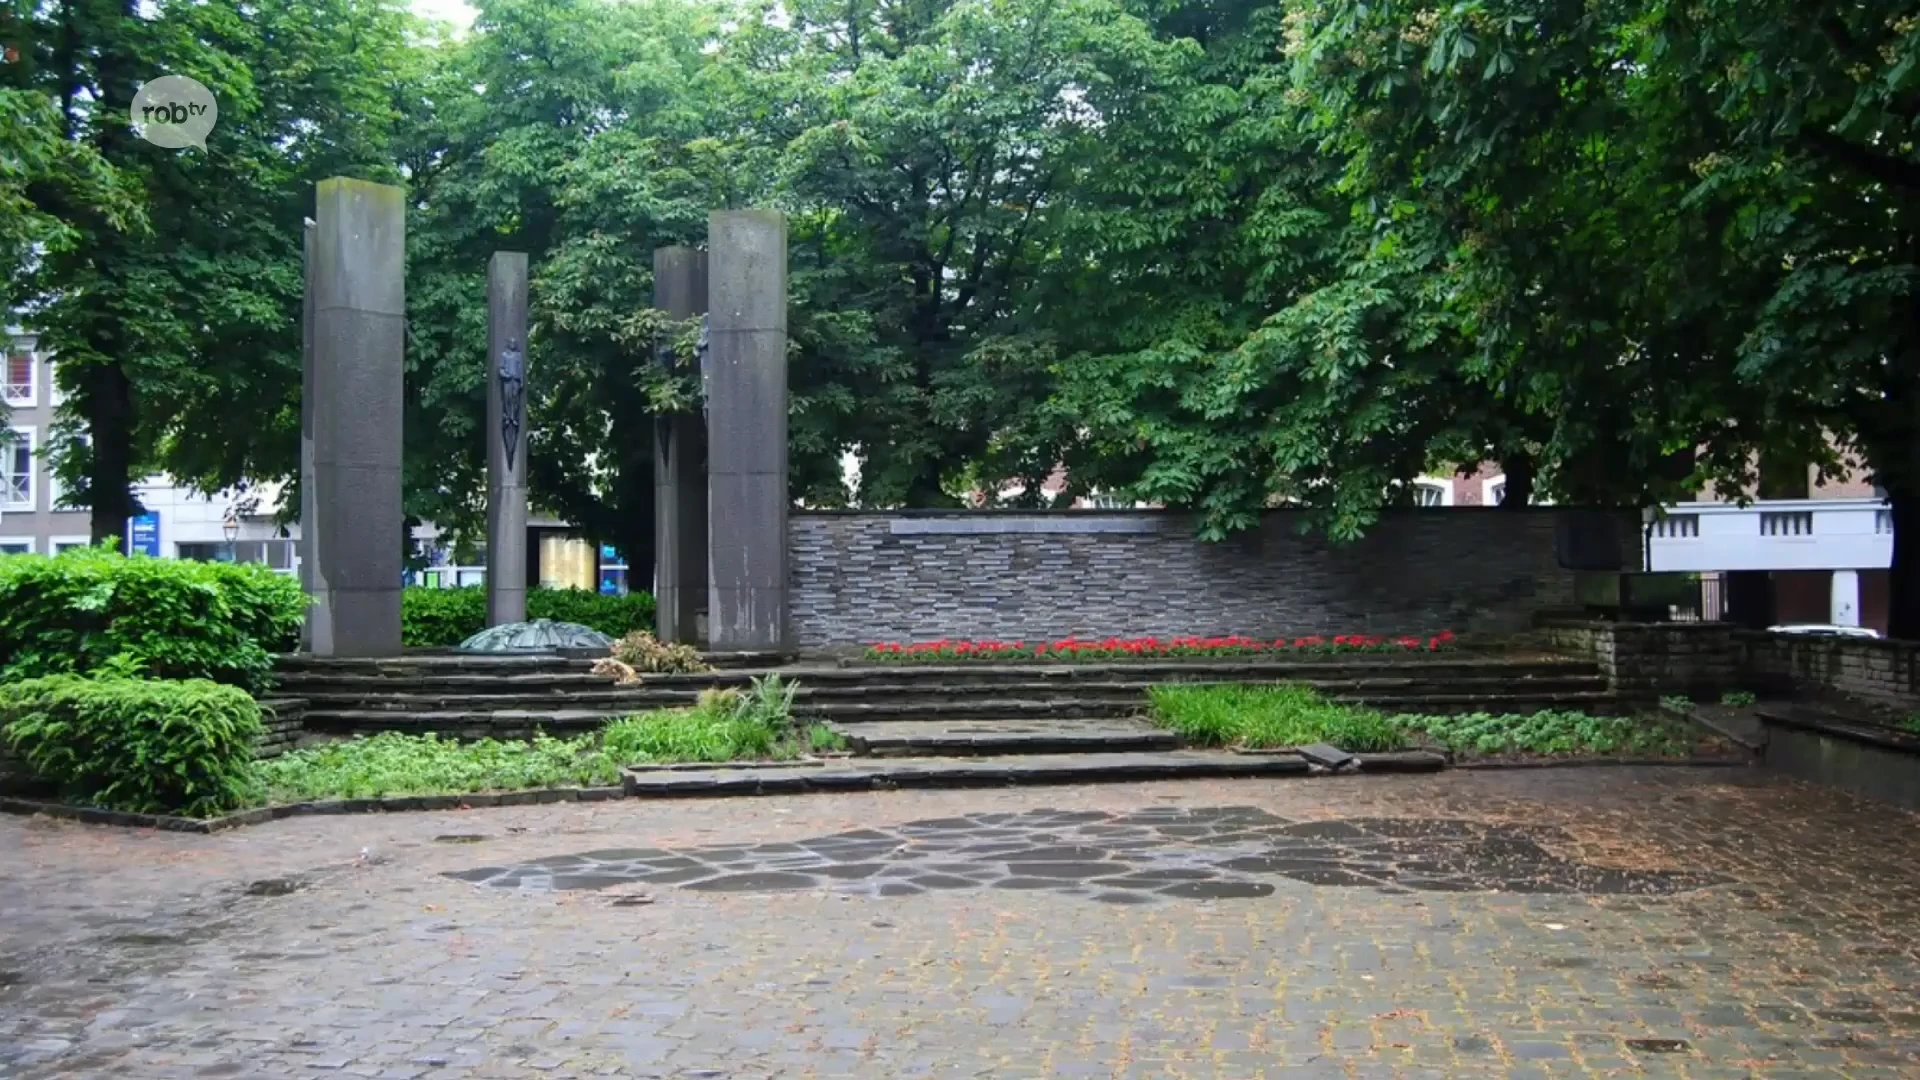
[1824, 630]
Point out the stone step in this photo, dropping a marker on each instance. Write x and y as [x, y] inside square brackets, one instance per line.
[1598, 702]
[867, 774]
[471, 672]
[601, 694]
[519, 723]
[972, 738]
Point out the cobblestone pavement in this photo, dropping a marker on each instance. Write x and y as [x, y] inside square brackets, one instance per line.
[1668, 922]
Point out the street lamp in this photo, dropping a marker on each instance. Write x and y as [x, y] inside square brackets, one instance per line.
[230, 525]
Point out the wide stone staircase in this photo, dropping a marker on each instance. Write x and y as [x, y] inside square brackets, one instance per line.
[910, 710]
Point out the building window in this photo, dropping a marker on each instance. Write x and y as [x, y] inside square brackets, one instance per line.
[1102, 500]
[1426, 493]
[16, 547]
[16, 470]
[68, 543]
[18, 387]
[275, 554]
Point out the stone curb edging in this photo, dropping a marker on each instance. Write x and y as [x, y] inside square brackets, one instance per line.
[1014, 770]
[1604, 763]
[261, 815]
[828, 776]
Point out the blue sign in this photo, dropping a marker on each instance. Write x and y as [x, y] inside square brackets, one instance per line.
[143, 535]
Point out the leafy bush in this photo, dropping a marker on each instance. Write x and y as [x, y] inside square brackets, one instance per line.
[1550, 732]
[391, 763]
[1269, 716]
[1739, 698]
[70, 613]
[443, 618]
[614, 616]
[724, 725]
[142, 745]
[642, 651]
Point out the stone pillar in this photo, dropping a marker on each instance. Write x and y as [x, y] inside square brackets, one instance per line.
[1845, 602]
[680, 468]
[506, 436]
[309, 519]
[746, 376]
[359, 335]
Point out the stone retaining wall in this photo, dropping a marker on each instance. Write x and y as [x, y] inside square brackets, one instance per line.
[1701, 659]
[860, 577]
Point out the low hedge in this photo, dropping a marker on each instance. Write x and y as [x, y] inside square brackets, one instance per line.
[146, 746]
[442, 618]
[75, 612]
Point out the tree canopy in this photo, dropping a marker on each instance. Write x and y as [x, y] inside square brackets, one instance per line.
[1213, 254]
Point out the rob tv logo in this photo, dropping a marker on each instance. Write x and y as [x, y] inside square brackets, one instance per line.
[174, 111]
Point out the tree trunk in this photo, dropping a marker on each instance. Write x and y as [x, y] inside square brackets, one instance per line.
[1519, 468]
[109, 408]
[1903, 599]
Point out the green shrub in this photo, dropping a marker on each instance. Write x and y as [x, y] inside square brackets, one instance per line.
[70, 613]
[391, 763]
[440, 618]
[142, 745]
[1738, 698]
[641, 651]
[443, 618]
[1265, 717]
[614, 616]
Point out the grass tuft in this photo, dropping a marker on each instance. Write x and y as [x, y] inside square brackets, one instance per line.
[1266, 717]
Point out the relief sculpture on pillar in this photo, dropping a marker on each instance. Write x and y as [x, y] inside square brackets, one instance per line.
[513, 387]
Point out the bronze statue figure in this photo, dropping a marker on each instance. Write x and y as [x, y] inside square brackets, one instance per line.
[513, 388]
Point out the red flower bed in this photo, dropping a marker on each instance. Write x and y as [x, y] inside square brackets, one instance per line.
[1113, 648]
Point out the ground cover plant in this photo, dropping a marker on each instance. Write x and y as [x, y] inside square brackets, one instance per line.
[1070, 649]
[752, 724]
[1285, 715]
[392, 763]
[1553, 732]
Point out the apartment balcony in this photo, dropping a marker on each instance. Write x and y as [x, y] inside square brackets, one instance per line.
[1797, 534]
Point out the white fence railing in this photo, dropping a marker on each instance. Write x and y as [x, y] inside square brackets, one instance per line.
[1802, 534]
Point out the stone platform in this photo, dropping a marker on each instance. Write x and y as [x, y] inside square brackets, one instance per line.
[966, 708]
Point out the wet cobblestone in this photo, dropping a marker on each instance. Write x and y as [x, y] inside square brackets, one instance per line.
[340, 946]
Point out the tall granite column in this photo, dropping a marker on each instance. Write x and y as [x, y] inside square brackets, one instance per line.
[359, 329]
[746, 374]
[506, 436]
[680, 468]
[309, 518]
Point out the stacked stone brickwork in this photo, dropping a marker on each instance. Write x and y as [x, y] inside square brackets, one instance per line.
[861, 577]
[1700, 659]
[1884, 672]
[1646, 660]
[282, 721]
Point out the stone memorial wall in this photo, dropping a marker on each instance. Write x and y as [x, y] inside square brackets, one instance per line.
[860, 577]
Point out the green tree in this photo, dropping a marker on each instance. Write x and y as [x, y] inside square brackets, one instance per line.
[158, 330]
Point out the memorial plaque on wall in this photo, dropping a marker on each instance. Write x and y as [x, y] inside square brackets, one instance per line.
[1591, 540]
